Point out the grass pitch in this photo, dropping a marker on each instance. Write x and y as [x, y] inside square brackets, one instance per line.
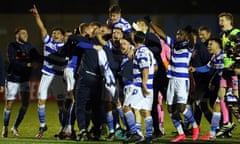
[29, 128]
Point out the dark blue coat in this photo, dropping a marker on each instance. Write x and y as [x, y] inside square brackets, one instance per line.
[19, 55]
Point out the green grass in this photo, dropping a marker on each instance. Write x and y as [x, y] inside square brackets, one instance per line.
[29, 128]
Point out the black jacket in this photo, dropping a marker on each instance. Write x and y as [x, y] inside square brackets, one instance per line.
[19, 55]
[2, 70]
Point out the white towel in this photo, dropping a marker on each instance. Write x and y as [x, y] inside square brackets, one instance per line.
[108, 74]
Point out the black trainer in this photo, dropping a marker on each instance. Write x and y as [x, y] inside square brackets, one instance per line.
[61, 135]
[82, 136]
[133, 138]
[73, 135]
[225, 128]
[148, 140]
[111, 137]
[228, 134]
[5, 132]
[41, 131]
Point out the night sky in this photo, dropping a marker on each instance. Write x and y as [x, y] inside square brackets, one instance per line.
[128, 6]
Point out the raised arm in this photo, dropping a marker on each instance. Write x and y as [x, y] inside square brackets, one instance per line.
[158, 30]
[39, 21]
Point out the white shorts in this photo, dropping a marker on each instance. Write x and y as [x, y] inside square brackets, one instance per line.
[53, 83]
[13, 88]
[134, 98]
[177, 91]
[69, 77]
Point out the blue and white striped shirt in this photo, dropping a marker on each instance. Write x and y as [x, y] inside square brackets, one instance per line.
[216, 62]
[53, 63]
[126, 70]
[109, 44]
[124, 25]
[180, 59]
[143, 59]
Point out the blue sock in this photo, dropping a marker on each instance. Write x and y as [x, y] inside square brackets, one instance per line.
[139, 126]
[130, 117]
[121, 114]
[189, 117]
[215, 122]
[41, 114]
[175, 119]
[149, 124]
[6, 115]
[186, 121]
[176, 122]
[110, 121]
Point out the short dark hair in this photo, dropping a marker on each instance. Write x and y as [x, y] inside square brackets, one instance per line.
[204, 28]
[139, 37]
[216, 39]
[58, 29]
[189, 31]
[118, 28]
[18, 29]
[228, 16]
[114, 9]
[143, 20]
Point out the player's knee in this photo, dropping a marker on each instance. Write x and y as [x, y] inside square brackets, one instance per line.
[118, 104]
[9, 104]
[41, 102]
[182, 108]
[216, 107]
[126, 109]
[145, 113]
[175, 115]
[221, 92]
